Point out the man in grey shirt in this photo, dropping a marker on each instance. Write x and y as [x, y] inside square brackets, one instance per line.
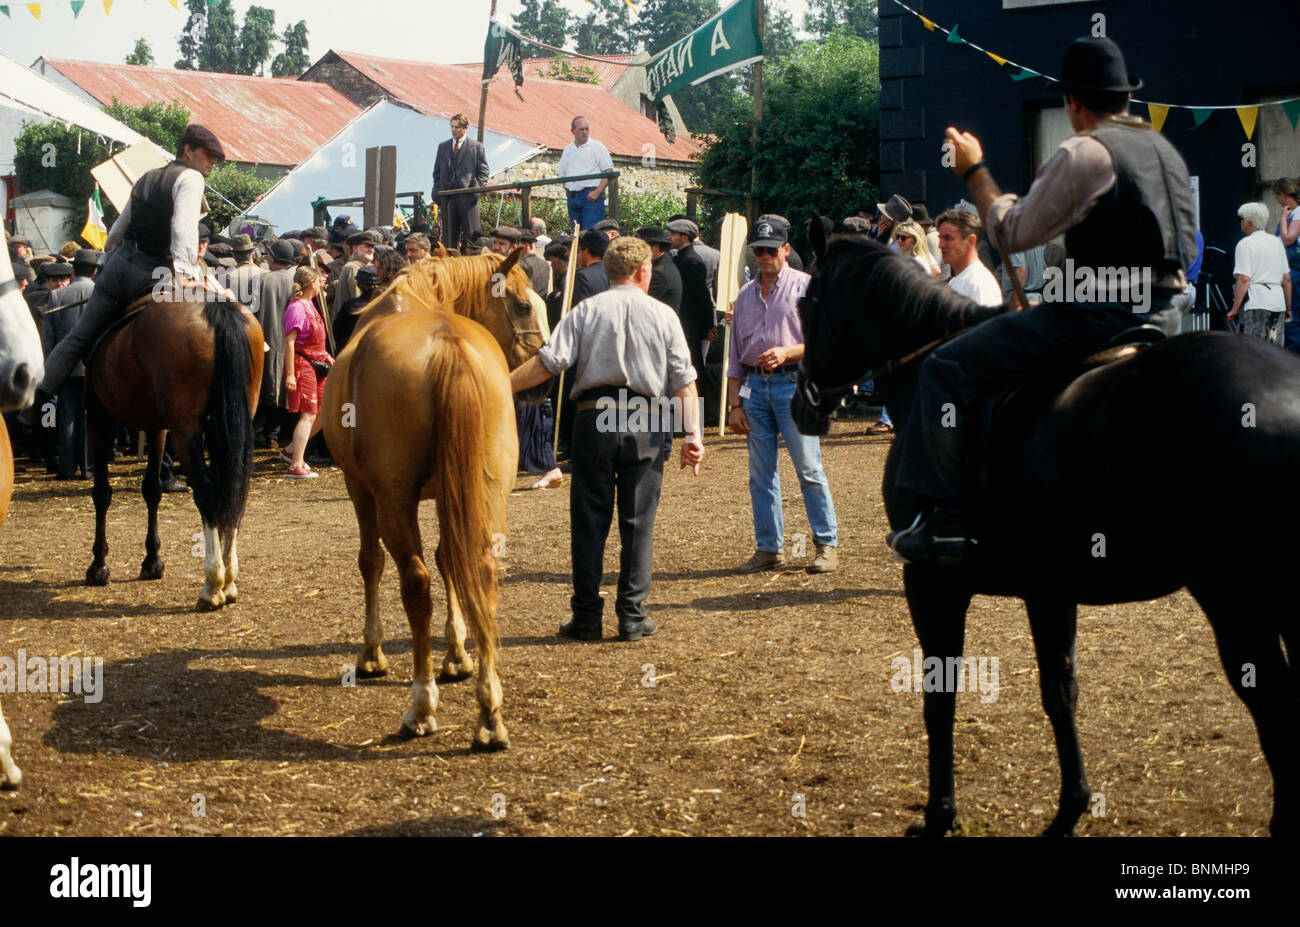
[630, 356]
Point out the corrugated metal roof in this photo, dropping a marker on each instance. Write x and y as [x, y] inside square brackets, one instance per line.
[544, 114]
[608, 73]
[264, 120]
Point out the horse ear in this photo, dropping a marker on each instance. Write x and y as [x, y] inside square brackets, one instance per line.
[440, 251]
[508, 264]
[817, 235]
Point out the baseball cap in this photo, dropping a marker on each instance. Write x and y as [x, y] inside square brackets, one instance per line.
[768, 234]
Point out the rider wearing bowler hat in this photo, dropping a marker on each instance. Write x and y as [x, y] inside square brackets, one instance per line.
[158, 228]
[1121, 194]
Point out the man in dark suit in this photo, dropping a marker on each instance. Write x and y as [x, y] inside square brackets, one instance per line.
[697, 300]
[591, 277]
[665, 281]
[460, 162]
[62, 315]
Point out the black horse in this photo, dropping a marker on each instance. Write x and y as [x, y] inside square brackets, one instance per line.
[1115, 484]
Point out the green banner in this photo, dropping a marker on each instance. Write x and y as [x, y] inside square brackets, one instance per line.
[728, 41]
[503, 46]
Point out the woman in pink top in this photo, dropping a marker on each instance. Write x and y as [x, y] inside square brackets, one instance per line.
[304, 342]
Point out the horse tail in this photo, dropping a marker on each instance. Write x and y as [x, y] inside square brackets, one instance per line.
[458, 391]
[228, 426]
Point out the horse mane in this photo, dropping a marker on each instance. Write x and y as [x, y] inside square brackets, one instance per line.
[436, 283]
[896, 288]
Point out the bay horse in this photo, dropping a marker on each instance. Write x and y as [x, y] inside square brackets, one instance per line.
[418, 406]
[194, 369]
[1103, 487]
[22, 365]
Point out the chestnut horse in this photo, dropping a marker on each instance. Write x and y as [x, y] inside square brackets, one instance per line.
[419, 406]
[194, 369]
[21, 368]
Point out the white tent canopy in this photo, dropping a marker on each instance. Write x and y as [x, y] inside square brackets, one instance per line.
[338, 168]
[26, 96]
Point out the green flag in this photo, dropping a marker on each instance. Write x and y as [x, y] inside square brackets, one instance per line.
[503, 46]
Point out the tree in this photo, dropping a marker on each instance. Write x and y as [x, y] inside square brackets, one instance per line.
[255, 40]
[294, 59]
[239, 185]
[219, 50]
[563, 68]
[142, 54]
[818, 139]
[856, 17]
[544, 20]
[190, 40]
[659, 24]
[779, 37]
[606, 31]
[163, 123]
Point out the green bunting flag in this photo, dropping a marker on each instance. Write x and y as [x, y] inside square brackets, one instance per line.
[953, 37]
[76, 7]
[1200, 114]
[1292, 110]
[1025, 74]
[503, 46]
[5, 10]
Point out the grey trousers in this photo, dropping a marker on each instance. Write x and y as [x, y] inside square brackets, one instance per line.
[460, 219]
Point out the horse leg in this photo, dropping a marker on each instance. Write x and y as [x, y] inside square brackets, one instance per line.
[457, 664]
[400, 529]
[152, 568]
[1247, 628]
[231, 556]
[491, 733]
[10, 774]
[189, 451]
[938, 602]
[1052, 623]
[370, 561]
[101, 440]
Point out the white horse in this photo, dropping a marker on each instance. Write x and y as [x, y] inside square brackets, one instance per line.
[21, 367]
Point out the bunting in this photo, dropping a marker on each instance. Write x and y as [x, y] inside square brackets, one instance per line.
[1248, 114]
[44, 5]
[76, 7]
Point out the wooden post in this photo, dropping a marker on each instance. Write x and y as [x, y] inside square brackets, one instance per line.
[482, 99]
[692, 204]
[613, 197]
[570, 276]
[758, 117]
[525, 208]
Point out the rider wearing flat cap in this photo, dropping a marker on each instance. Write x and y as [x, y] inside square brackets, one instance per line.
[1121, 194]
[158, 228]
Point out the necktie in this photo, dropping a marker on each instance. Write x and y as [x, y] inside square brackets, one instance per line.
[455, 149]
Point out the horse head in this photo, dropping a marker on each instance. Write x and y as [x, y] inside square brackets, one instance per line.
[22, 364]
[510, 313]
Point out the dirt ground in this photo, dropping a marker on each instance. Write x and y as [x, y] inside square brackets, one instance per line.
[771, 709]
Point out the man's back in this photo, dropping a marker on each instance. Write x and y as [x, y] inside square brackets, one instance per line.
[666, 282]
[697, 301]
[589, 281]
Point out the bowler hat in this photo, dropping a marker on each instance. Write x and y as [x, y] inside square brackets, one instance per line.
[87, 257]
[54, 269]
[1096, 65]
[282, 251]
[596, 243]
[197, 136]
[921, 215]
[897, 208]
[653, 235]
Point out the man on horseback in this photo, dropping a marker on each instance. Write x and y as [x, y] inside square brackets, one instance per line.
[159, 228]
[1121, 194]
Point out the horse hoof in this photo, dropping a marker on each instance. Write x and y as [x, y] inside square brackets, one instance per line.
[372, 669]
[209, 605]
[423, 727]
[12, 780]
[97, 576]
[455, 672]
[151, 570]
[231, 594]
[486, 741]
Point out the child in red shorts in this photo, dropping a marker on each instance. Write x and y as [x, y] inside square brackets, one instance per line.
[304, 342]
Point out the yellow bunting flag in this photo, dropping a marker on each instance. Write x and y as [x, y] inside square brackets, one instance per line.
[34, 9]
[108, 6]
[1158, 114]
[174, 6]
[1248, 115]
[998, 58]
[925, 22]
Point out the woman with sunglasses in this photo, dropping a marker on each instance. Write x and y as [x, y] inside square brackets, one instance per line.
[911, 242]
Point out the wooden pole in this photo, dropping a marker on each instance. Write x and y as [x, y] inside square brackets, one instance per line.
[482, 100]
[758, 117]
[569, 276]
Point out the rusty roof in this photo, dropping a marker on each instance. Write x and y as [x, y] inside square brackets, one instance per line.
[609, 69]
[262, 120]
[543, 116]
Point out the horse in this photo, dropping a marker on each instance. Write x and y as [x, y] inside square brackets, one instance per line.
[21, 367]
[418, 406]
[1099, 486]
[194, 369]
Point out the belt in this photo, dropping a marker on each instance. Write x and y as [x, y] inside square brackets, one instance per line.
[617, 396]
[784, 368]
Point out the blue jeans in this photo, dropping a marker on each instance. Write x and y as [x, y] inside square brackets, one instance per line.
[583, 211]
[768, 410]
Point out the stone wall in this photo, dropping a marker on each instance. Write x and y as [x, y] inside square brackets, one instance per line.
[665, 178]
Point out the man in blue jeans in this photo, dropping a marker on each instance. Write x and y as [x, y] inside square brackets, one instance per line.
[585, 155]
[766, 346]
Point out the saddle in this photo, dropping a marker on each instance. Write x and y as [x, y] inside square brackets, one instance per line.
[132, 313]
[1008, 409]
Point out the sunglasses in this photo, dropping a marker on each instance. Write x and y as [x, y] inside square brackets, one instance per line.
[762, 251]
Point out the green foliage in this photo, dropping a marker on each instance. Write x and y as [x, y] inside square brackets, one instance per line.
[856, 17]
[544, 20]
[46, 158]
[219, 50]
[255, 40]
[634, 211]
[142, 54]
[571, 69]
[164, 123]
[605, 31]
[188, 41]
[239, 185]
[817, 141]
[294, 59]
[638, 209]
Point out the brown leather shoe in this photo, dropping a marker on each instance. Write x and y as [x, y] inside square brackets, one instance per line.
[826, 561]
[762, 560]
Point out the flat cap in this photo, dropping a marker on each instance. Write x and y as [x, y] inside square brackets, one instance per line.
[282, 251]
[197, 136]
[205, 233]
[362, 238]
[316, 232]
[20, 240]
[220, 249]
[653, 235]
[54, 269]
[367, 274]
[683, 227]
[606, 224]
[506, 232]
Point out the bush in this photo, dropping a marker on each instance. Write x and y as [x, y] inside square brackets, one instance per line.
[634, 211]
[239, 185]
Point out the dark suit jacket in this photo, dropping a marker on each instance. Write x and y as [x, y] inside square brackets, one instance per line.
[589, 281]
[697, 302]
[666, 282]
[468, 169]
[58, 324]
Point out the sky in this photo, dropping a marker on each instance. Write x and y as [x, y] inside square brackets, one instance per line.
[446, 31]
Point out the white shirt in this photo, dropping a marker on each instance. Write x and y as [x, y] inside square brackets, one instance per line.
[978, 283]
[187, 204]
[1261, 257]
[591, 158]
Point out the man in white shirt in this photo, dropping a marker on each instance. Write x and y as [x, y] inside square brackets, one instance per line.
[959, 233]
[158, 230]
[585, 155]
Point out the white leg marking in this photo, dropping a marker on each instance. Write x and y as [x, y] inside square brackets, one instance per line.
[10, 774]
